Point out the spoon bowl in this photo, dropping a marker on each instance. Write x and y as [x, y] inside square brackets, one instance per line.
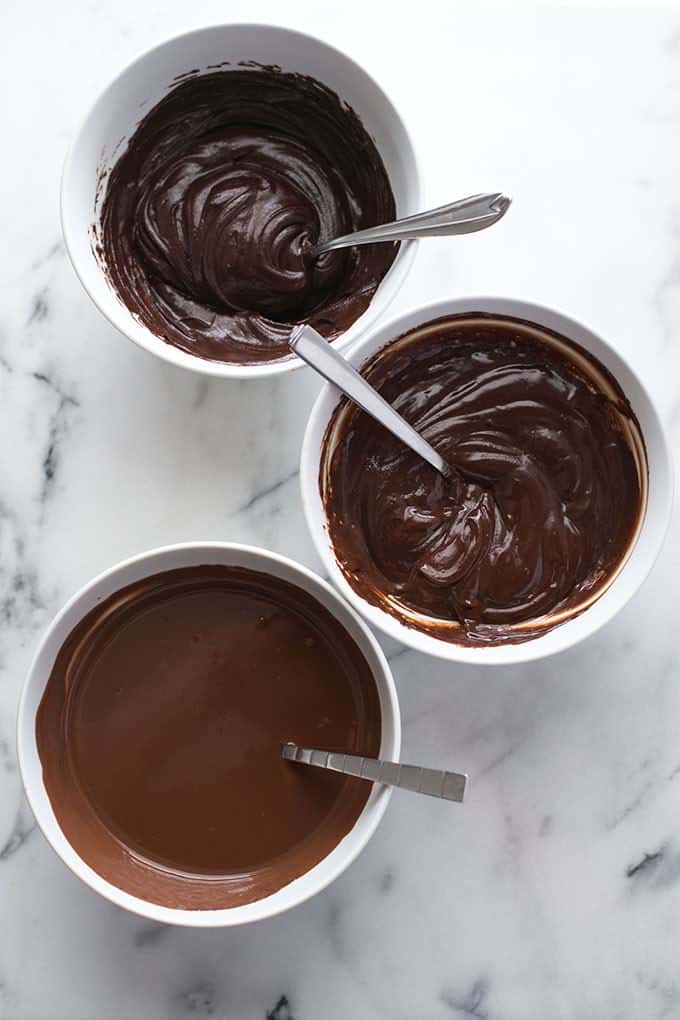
[116, 113]
[320, 439]
[136, 569]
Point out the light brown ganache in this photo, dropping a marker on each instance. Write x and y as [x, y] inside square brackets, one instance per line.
[546, 496]
[210, 214]
[160, 732]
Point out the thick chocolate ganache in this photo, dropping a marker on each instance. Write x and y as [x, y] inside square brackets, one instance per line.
[160, 733]
[211, 212]
[546, 496]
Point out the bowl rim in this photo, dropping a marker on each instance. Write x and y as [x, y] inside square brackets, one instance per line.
[561, 637]
[144, 338]
[257, 910]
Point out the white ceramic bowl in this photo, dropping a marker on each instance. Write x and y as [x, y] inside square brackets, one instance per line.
[652, 530]
[118, 110]
[169, 558]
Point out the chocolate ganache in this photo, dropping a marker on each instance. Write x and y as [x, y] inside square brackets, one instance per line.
[547, 489]
[160, 733]
[211, 212]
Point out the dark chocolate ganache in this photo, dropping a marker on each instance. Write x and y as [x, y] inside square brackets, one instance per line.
[211, 212]
[546, 494]
[160, 733]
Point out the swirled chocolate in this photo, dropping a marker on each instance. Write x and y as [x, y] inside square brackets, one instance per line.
[211, 213]
[160, 733]
[546, 495]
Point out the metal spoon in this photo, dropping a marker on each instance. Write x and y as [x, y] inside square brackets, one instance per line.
[465, 216]
[433, 782]
[311, 347]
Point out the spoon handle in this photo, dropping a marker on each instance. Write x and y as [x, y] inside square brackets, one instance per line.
[465, 216]
[432, 782]
[311, 347]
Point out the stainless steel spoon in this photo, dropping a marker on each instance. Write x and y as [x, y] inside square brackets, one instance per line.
[311, 347]
[433, 782]
[465, 216]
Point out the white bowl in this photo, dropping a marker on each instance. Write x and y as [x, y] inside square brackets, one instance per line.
[169, 558]
[118, 110]
[653, 526]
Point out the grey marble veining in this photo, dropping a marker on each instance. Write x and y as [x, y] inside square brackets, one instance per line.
[555, 891]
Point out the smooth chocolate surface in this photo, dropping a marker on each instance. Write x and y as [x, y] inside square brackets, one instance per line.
[160, 732]
[211, 212]
[546, 496]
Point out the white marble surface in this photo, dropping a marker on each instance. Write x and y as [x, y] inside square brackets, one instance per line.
[555, 892]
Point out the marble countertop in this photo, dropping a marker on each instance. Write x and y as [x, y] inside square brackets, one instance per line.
[555, 892]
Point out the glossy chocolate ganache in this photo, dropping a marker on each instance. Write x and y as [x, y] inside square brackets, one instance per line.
[546, 495]
[160, 733]
[211, 212]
